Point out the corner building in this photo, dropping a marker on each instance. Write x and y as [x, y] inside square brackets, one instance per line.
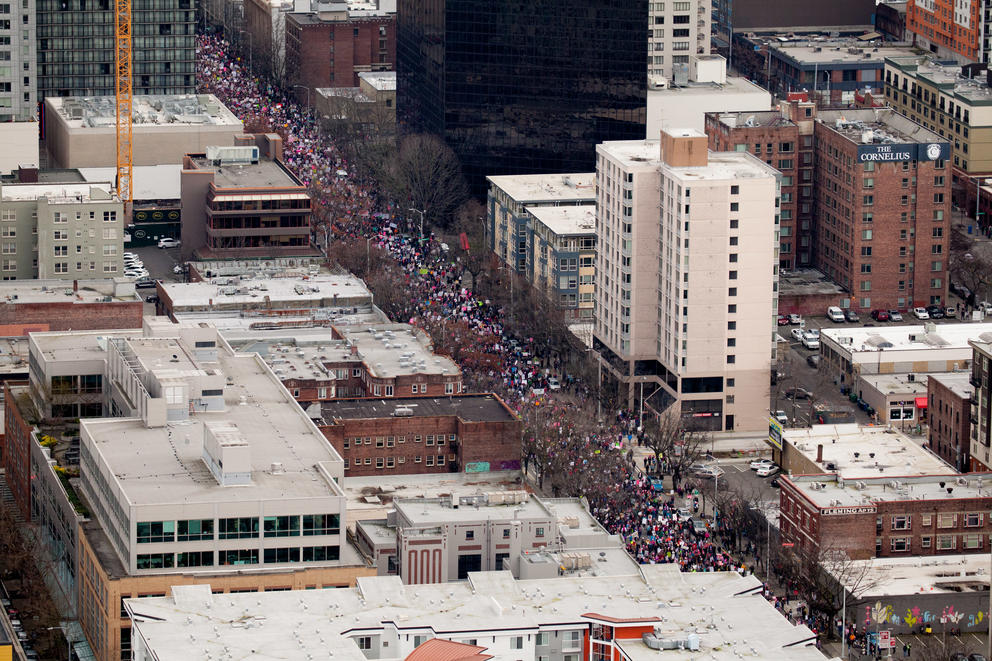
[688, 276]
[883, 202]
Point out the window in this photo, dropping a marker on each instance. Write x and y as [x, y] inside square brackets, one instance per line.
[926, 519]
[364, 642]
[286, 554]
[539, 532]
[517, 643]
[195, 559]
[469, 534]
[449, 388]
[901, 522]
[947, 520]
[380, 462]
[239, 528]
[238, 556]
[321, 553]
[430, 460]
[109, 216]
[321, 524]
[972, 519]
[195, 530]
[150, 532]
[925, 541]
[899, 544]
[282, 526]
[946, 542]
[972, 541]
[154, 561]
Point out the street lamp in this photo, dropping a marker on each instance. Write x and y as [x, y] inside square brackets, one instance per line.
[308, 94]
[421, 221]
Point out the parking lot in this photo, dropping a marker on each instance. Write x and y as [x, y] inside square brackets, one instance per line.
[159, 263]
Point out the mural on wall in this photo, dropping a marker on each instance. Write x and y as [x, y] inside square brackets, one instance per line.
[881, 614]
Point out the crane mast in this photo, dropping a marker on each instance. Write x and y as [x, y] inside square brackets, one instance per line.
[124, 92]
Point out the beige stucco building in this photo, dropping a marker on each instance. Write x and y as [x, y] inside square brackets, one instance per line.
[80, 131]
[687, 264]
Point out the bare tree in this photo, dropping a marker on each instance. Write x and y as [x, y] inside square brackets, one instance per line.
[426, 175]
[970, 266]
[670, 441]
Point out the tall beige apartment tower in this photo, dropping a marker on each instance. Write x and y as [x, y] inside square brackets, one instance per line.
[676, 32]
[687, 268]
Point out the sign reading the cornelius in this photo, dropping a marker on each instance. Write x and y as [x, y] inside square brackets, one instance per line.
[923, 151]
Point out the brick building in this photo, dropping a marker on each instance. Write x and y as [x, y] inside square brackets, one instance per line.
[784, 140]
[15, 450]
[409, 435]
[330, 45]
[882, 233]
[57, 305]
[949, 411]
[887, 516]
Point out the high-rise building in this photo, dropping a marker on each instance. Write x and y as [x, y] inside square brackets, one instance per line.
[687, 262]
[76, 47]
[522, 87]
[883, 203]
[676, 31]
[956, 29]
[18, 61]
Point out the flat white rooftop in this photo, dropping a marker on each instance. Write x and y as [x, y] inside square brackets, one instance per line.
[391, 350]
[903, 384]
[13, 355]
[839, 52]
[727, 611]
[902, 338]
[441, 510]
[896, 454]
[151, 182]
[148, 111]
[547, 188]
[59, 193]
[828, 492]
[77, 345]
[892, 577]
[164, 465]
[306, 291]
[734, 85]
[567, 221]
[61, 291]
[957, 382]
[382, 81]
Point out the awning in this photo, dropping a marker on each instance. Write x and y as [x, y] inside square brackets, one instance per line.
[921, 402]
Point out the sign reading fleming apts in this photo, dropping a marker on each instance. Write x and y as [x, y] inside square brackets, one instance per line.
[861, 509]
[923, 151]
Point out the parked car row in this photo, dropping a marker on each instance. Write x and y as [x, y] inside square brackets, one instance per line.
[839, 316]
[764, 467]
[789, 320]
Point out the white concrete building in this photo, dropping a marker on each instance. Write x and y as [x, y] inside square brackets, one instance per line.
[18, 145]
[687, 267]
[61, 231]
[214, 465]
[717, 615]
[708, 89]
[676, 32]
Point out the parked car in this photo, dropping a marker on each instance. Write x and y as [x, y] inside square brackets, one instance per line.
[880, 315]
[835, 314]
[151, 299]
[797, 334]
[851, 316]
[774, 483]
[921, 313]
[758, 463]
[707, 472]
[781, 417]
[144, 283]
[895, 315]
[783, 320]
[935, 311]
[765, 471]
[795, 319]
[553, 383]
[798, 393]
[811, 341]
[813, 361]
[168, 243]
[950, 312]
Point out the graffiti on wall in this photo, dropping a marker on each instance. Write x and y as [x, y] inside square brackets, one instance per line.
[881, 614]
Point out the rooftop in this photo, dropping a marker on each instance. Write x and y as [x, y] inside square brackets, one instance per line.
[726, 609]
[547, 188]
[799, 282]
[151, 182]
[77, 345]
[904, 338]
[148, 111]
[308, 291]
[949, 77]
[61, 291]
[391, 350]
[734, 85]
[828, 491]
[13, 355]
[164, 465]
[865, 126]
[912, 383]
[720, 165]
[567, 221]
[891, 577]
[266, 173]
[752, 119]
[838, 51]
[382, 81]
[59, 193]
[896, 455]
[957, 382]
[427, 512]
[471, 408]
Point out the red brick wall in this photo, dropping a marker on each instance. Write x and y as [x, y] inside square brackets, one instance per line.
[901, 264]
[67, 315]
[317, 60]
[16, 452]
[950, 425]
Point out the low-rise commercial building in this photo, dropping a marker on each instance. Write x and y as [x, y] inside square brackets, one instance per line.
[242, 201]
[410, 435]
[369, 109]
[896, 399]
[886, 516]
[60, 231]
[566, 618]
[80, 130]
[58, 305]
[949, 402]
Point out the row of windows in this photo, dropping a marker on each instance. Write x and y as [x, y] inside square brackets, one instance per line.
[942, 543]
[237, 557]
[944, 520]
[149, 532]
[389, 441]
[391, 462]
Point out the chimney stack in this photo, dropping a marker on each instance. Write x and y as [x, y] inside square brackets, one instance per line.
[819, 453]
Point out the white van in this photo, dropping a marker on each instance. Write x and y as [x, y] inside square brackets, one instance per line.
[835, 314]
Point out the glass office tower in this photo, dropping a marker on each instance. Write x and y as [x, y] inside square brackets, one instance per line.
[522, 86]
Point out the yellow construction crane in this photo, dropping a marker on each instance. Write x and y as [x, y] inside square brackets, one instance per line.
[124, 90]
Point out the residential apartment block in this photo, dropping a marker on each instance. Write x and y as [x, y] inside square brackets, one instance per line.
[688, 263]
[981, 410]
[60, 231]
[951, 29]
[18, 62]
[949, 418]
[676, 31]
[882, 233]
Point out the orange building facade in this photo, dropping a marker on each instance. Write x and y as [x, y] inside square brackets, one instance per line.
[947, 28]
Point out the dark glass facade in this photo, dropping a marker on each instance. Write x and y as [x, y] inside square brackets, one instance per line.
[76, 47]
[522, 86]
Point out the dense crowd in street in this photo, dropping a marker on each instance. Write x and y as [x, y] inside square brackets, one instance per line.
[647, 519]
